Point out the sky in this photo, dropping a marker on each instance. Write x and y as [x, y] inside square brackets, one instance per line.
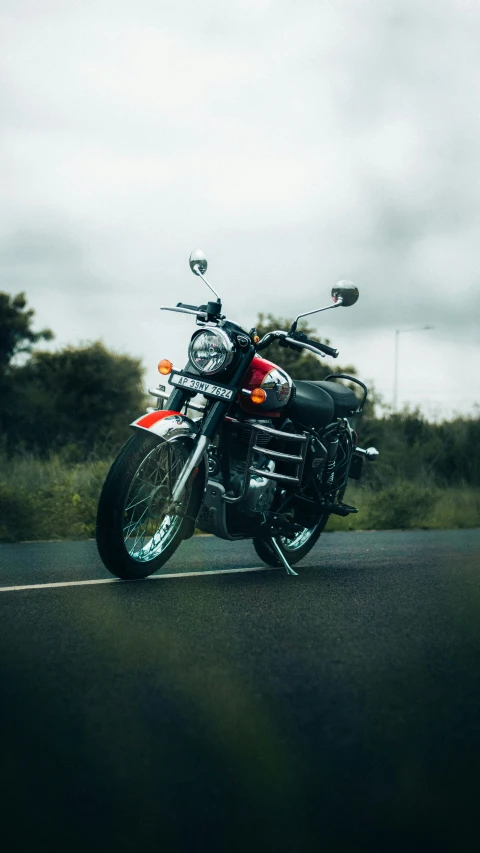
[296, 143]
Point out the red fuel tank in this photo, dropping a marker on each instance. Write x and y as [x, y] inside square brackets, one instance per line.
[275, 382]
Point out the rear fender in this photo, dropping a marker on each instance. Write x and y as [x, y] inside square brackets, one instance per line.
[166, 425]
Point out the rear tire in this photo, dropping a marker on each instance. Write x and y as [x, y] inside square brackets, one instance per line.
[294, 549]
[135, 536]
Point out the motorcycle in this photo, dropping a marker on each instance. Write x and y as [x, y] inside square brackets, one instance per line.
[265, 457]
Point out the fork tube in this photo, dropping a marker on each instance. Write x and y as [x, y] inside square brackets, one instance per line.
[189, 467]
[215, 416]
[210, 424]
[177, 400]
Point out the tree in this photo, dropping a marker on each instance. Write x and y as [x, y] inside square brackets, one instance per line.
[80, 398]
[16, 333]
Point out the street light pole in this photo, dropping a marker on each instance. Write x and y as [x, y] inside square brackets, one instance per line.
[395, 372]
[399, 332]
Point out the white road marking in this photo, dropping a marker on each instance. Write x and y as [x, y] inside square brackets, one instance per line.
[136, 580]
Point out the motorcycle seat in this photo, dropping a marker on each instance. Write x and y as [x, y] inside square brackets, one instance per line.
[344, 399]
[311, 405]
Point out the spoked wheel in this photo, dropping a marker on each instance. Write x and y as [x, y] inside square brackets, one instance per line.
[137, 531]
[295, 549]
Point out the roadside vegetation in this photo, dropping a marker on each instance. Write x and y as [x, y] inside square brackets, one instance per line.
[405, 505]
[65, 414]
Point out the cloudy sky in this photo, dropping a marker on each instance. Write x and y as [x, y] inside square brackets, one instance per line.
[295, 142]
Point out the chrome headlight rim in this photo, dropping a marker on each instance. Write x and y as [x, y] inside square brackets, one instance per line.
[228, 345]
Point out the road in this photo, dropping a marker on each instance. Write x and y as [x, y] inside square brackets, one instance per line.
[244, 711]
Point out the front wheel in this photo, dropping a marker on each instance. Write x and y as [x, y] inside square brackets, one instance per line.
[136, 532]
[295, 549]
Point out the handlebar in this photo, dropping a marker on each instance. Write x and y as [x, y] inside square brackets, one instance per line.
[324, 348]
[293, 340]
[297, 341]
[190, 307]
[211, 312]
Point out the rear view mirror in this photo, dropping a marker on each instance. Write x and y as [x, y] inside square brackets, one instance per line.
[346, 291]
[198, 262]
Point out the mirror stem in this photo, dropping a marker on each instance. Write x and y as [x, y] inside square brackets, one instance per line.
[317, 311]
[197, 268]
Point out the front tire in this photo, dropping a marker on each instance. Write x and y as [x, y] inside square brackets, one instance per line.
[135, 533]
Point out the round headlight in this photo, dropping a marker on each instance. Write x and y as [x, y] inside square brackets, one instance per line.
[210, 351]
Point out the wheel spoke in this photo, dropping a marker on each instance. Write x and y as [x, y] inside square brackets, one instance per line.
[135, 523]
[141, 531]
[132, 506]
[145, 522]
[131, 525]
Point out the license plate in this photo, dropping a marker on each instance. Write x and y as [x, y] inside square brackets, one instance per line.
[200, 386]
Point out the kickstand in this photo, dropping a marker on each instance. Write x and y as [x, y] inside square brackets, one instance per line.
[279, 552]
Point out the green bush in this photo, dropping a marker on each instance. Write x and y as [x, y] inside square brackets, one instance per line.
[400, 505]
[55, 499]
[49, 499]
[456, 507]
[78, 401]
[16, 513]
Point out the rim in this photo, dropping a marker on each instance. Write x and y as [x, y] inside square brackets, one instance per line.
[147, 529]
[300, 539]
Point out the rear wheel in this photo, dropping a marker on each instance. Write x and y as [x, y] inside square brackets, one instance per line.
[136, 530]
[295, 549]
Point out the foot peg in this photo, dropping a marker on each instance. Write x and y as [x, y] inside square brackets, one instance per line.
[371, 453]
[281, 555]
[340, 509]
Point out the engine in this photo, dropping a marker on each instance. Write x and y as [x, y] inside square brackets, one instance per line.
[227, 472]
[234, 445]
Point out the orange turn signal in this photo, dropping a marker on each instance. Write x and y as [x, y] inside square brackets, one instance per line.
[258, 396]
[165, 366]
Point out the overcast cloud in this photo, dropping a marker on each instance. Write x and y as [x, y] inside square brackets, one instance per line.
[295, 142]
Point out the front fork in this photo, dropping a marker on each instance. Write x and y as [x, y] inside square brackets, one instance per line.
[189, 468]
[210, 424]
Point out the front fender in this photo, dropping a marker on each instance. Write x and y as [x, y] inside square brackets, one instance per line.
[166, 425]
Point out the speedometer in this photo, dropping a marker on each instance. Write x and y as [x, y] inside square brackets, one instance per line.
[210, 351]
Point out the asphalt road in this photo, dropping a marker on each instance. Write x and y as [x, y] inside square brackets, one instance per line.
[244, 711]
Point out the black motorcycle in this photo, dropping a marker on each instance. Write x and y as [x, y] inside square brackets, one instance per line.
[264, 457]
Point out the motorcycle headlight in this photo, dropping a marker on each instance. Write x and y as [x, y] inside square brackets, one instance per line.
[210, 351]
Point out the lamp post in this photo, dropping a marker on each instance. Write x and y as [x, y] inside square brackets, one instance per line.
[399, 332]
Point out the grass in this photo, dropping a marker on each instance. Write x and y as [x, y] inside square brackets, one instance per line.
[49, 499]
[57, 499]
[406, 505]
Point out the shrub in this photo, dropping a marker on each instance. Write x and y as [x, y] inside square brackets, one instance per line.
[48, 499]
[16, 513]
[402, 504]
[79, 400]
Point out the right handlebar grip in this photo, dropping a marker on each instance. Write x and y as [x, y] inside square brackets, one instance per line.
[328, 350]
